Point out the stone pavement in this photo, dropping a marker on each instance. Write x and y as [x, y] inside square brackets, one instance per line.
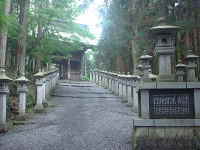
[85, 117]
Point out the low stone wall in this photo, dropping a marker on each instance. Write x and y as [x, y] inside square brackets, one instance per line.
[165, 134]
[125, 86]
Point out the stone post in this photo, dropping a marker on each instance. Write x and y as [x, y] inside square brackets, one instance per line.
[124, 89]
[112, 82]
[39, 90]
[69, 69]
[47, 85]
[44, 89]
[135, 84]
[95, 77]
[116, 84]
[90, 76]
[107, 81]
[191, 62]
[120, 86]
[129, 91]
[101, 77]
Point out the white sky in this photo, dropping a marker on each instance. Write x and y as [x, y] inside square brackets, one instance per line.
[92, 20]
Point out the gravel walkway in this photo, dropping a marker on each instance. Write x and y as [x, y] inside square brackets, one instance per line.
[85, 117]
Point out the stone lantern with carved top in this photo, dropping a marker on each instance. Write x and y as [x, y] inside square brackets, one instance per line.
[165, 37]
[4, 80]
[22, 90]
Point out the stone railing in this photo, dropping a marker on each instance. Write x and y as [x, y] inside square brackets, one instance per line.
[125, 86]
[45, 82]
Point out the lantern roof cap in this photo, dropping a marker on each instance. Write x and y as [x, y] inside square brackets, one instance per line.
[181, 66]
[22, 79]
[3, 76]
[39, 74]
[145, 56]
[191, 55]
[164, 26]
[139, 66]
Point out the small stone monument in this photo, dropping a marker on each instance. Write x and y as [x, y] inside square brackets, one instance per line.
[145, 60]
[180, 71]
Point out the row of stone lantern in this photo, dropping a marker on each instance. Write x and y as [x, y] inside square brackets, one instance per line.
[45, 82]
[4, 91]
[125, 86]
[184, 72]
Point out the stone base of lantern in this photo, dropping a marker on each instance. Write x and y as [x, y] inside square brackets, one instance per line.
[21, 117]
[3, 128]
[45, 104]
[166, 78]
[39, 108]
[135, 109]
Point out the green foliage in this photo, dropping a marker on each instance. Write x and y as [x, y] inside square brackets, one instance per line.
[115, 36]
[126, 25]
[52, 29]
[85, 78]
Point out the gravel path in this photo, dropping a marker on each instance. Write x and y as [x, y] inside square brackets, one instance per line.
[85, 117]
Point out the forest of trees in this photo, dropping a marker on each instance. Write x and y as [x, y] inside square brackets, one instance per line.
[33, 35]
[31, 32]
[126, 25]
[35, 29]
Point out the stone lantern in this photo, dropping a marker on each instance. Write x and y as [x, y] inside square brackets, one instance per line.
[180, 71]
[4, 80]
[146, 63]
[22, 90]
[191, 62]
[165, 49]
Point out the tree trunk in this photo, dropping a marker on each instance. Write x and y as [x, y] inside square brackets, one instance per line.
[3, 38]
[22, 40]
